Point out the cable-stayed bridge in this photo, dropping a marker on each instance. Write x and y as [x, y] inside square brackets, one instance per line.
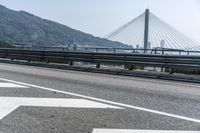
[149, 31]
[35, 93]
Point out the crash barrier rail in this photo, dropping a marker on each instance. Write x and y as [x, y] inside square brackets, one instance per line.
[184, 62]
[157, 50]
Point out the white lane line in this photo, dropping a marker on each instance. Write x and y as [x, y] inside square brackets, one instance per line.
[109, 102]
[9, 104]
[139, 131]
[11, 85]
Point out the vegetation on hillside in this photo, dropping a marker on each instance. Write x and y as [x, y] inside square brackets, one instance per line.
[4, 44]
[23, 27]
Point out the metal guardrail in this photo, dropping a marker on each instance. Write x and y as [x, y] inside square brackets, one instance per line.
[131, 59]
[161, 51]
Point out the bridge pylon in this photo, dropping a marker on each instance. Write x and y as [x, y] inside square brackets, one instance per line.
[146, 30]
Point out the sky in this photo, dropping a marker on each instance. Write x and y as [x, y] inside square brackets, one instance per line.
[100, 17]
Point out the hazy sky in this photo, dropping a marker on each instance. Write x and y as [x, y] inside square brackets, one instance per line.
[100, 17]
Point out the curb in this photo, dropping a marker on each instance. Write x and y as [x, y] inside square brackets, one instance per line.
[152, 75]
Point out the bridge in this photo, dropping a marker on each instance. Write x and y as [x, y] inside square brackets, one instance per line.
[97, 90]
[149, 31]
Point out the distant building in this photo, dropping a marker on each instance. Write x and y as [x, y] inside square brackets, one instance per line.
[162, 43]
[149, 45]
[137, 46]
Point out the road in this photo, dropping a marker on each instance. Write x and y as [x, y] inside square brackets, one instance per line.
[43, 100]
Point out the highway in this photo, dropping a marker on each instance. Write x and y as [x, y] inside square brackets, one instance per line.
[44, 100]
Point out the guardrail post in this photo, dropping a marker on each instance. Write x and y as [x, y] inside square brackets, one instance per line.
[29, 59]
[114, 50]
[42, 56]
[71, 63]
[97, 50]
[131, 67]
[163, 52]
[98, 65]
[171, 71]
[74, 48]
[47, 61]
[6, 53]
[162, 69]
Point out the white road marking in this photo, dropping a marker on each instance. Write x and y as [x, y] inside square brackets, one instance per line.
[11, 85]
[139, 131]
[109, 102]
[9, 104]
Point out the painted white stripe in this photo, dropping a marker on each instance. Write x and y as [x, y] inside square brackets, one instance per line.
[109, 102]
[9, 104]
[139, 131]
[11, 85]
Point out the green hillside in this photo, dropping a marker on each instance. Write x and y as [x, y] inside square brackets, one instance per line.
[23, 27]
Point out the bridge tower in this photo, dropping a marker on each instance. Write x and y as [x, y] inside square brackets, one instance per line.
[146, 30]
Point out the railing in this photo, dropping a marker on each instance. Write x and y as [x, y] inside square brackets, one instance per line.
[132, 59]
[160, 51]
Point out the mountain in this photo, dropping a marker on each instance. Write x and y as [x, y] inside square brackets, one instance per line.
[23, 27]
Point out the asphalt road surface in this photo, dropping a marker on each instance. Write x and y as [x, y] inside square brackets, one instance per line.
[42, 100]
